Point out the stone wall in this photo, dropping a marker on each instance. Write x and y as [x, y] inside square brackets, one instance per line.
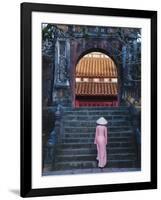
[47, 80]
[66, 44]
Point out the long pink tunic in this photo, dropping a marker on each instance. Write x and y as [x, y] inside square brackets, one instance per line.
[101, 142]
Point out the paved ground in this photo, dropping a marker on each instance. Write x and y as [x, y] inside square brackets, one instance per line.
[92, 170]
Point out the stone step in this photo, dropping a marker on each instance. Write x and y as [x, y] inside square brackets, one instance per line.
[92, 145]
[69, 108]
[77, 151]
[90, 140]
[84, 120]
[91, 135]
[95, 117]
[93, 123]
[95, 108]
[92, 157]
[93, 164]
[97, 112]
[92, 129]
[89, 170]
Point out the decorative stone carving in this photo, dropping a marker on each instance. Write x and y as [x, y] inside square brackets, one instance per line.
[62, 69]
[61, 64]
[120, 43]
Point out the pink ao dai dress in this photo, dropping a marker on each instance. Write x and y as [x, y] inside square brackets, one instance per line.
[101, 142]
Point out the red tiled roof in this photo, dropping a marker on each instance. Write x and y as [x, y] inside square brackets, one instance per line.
[100, 67]
[96, 89]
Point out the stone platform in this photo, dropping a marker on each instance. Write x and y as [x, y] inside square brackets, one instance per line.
[89, 171]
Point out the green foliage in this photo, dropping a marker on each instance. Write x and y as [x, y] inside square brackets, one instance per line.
[47, 32]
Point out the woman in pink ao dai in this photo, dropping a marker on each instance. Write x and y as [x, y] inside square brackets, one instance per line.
[101, 141]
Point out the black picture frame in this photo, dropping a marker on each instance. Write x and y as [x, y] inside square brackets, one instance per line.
[26, 103]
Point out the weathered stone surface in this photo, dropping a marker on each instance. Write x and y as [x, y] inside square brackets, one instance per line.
[66, 44]
[62, 47]
[78, 151]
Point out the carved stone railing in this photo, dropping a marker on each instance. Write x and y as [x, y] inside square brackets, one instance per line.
[132, 91]
[135, 113]
[54, 139]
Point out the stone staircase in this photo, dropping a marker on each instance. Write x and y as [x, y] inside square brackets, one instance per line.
[78, 151]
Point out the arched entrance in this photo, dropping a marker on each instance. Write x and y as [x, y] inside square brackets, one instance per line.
[96, 81]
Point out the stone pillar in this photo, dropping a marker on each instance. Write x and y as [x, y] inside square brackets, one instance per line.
[61, 89]
[124, 57]
[123, 72]
[61, 72]
[73, 66]
[135, 50]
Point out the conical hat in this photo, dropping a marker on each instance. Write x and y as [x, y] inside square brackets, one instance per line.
[102, 121]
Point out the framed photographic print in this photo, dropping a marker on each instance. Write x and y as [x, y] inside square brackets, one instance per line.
[88, 99]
